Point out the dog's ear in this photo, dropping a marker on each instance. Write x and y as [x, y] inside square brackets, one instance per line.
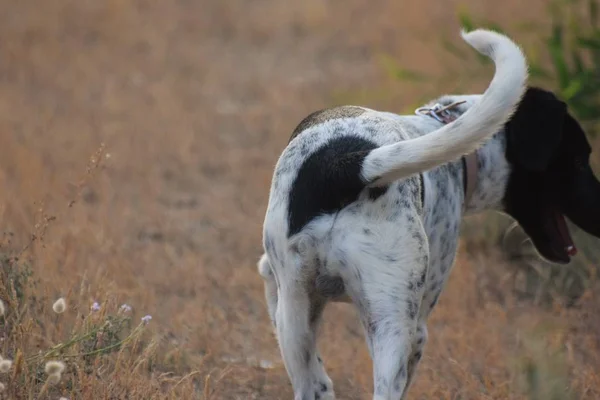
[535, 130]
[577, 141]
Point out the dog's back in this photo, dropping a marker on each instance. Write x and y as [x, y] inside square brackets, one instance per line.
[335, 210]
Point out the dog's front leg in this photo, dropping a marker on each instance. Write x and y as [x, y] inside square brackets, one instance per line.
[266, 272]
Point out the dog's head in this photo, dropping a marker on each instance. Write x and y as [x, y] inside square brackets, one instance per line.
[551, 175]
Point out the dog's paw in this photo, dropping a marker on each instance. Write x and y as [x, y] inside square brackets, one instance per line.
[324, 396]
[324, 391]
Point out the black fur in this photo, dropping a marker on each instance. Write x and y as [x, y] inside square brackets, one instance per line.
[535, 130]
[377, 192]
[549, 156]
[328, 180]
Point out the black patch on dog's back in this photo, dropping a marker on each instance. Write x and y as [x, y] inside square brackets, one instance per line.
[328, 180]
[377, 192]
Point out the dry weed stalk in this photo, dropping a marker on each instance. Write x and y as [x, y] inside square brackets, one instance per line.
[70, 350]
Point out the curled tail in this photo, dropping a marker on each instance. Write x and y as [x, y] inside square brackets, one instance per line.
[467, 133]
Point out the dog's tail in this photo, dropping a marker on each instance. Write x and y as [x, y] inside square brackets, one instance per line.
[467, 133]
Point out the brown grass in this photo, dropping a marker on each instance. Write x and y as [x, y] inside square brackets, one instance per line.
[137, 141]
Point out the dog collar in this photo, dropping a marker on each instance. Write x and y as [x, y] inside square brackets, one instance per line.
[441, 113]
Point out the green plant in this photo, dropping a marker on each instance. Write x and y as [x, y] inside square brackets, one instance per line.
[568, 63]
[542, 372]
[564, 56]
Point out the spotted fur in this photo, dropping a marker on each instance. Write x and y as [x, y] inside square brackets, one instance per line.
[318, 117]
[342, 226]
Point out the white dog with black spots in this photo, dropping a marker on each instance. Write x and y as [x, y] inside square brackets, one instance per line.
[365, 207]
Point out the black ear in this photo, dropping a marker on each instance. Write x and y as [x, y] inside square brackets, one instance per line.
[577, 144]
[535, 130]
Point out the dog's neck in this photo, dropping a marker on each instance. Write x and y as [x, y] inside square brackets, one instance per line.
[492, 167]
[492, 176]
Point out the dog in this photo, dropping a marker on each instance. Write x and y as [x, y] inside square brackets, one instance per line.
[365, 207]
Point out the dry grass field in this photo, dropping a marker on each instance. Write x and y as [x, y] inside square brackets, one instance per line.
[137, 141]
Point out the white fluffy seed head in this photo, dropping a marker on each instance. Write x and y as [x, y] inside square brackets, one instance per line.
[2, 387]
[53, 379]
[5, 366]
[54, 367]
[59, 306]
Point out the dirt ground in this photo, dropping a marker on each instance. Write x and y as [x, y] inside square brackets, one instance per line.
[194, 101]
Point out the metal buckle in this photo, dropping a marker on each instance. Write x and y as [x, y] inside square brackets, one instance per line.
[438, 112]
[431, 112]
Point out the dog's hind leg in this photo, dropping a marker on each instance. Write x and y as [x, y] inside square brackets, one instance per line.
[388, 303]
[418, 343]
[297, 318]
[321, 383]
[389, 340]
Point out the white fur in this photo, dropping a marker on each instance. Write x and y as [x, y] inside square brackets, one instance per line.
[395, 253]
[399, 160]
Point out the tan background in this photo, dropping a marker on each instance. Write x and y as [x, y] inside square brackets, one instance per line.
[194, 100]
